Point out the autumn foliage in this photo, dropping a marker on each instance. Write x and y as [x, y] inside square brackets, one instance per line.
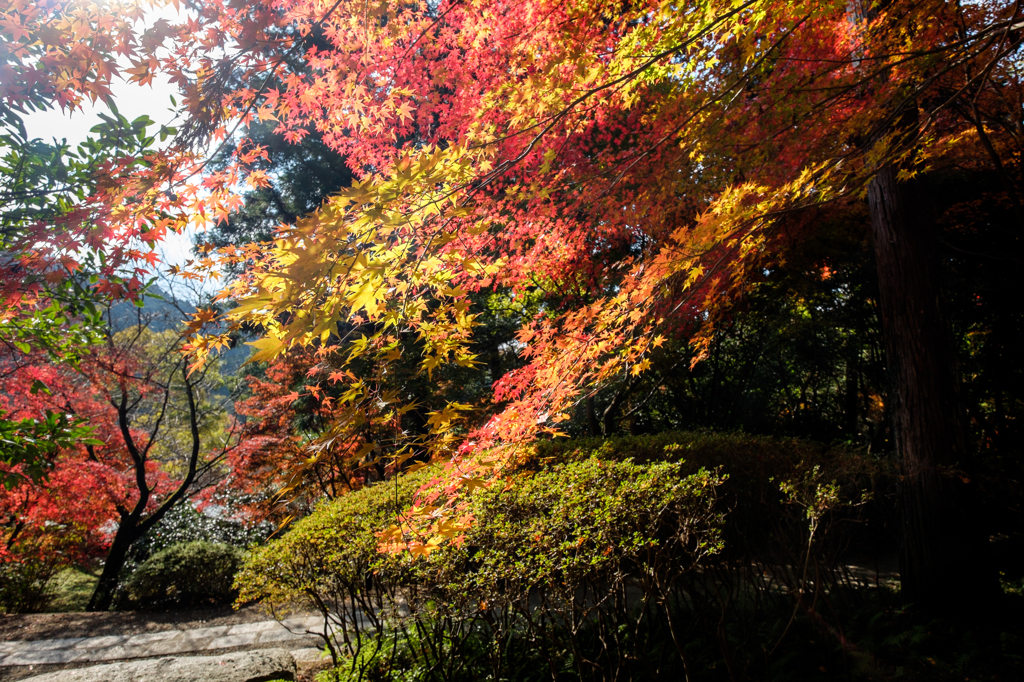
[640, 165]
[645, 163]
[65, 519]
[271, 460]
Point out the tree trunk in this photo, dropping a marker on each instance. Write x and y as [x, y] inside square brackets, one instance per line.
[850, 412]
[944, 556]
[592, 426]
[103, 596]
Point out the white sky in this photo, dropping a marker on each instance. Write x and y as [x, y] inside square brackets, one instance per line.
[132, 101]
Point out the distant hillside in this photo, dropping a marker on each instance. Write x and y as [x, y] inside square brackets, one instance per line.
[158, 311]
[161, 312]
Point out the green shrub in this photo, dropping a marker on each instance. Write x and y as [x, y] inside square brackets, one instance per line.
[186, 575]
[595, 556]
[764, 524]
[23, 586]
[576, 523]
[185, 523]
[332, 552]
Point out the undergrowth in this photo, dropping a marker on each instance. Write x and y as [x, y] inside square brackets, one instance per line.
[676, 557]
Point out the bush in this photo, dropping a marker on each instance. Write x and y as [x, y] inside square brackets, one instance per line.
[23, 585]
[764, 523]
[598, 559]
[332, 554]
[186, 575]
[185, 523]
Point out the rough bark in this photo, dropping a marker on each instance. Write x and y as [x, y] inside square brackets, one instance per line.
[944, 552]
[103, 595]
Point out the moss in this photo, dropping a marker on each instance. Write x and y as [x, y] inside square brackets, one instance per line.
[70, 590]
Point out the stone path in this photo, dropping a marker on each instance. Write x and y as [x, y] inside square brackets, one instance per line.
[294, 632]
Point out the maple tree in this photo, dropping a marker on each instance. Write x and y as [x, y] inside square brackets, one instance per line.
[304, 175]
[79, 224]
[58, 521]
[80, 228]
[65, 209]
[158, 437]
[641, 163]
[182, 434]
[301, 441]
[502, 144]
[271, 448]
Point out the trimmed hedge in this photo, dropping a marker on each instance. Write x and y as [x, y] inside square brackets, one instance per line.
[186, 575]
[330, 552]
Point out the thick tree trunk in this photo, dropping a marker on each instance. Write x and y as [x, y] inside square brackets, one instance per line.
[852, 389]
[944, 556]
[103, 596]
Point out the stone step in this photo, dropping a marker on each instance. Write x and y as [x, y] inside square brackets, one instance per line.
[291, 632]
[242, 666]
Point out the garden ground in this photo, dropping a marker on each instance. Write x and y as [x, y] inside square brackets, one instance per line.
[39, 643]
[36, 626]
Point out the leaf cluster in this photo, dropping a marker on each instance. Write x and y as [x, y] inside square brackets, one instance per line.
[27, 445]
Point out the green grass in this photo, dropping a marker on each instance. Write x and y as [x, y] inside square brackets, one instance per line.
[71, 589]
